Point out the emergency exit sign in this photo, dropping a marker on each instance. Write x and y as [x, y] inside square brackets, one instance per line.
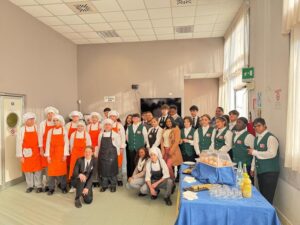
[247, 74]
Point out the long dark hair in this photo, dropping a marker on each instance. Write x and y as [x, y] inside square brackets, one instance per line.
[137, 155]
[125, 124]
[172, 121]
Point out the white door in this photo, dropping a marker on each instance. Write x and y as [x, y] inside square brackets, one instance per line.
[241, 101]
[11, 116]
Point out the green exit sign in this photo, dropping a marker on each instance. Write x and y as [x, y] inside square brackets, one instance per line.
[247, 74]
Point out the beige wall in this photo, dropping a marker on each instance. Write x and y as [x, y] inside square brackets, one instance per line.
[158, 67]
[270, 57]
[203, 93]
[36, 61]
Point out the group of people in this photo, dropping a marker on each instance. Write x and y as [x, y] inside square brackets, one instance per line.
[149, 149]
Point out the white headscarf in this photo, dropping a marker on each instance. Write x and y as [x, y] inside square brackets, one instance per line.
[113, 113]
[76, 113]
[96, 114]
[28, 115]
[156, 151]
[81, 122]
[50, 109]
[108, 121]
[60, 118]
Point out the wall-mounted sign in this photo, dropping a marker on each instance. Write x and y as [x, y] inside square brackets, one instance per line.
[109, 98]
[247, 74]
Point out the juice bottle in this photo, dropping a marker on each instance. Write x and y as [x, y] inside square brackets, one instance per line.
[247, 187]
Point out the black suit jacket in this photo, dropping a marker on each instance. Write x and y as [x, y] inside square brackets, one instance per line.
[89, 173]
[197, 125]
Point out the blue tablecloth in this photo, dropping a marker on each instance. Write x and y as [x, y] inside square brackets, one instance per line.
[207, 210]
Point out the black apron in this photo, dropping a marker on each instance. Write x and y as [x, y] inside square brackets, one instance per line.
[156, 175]
[152, 137]
[108, 158]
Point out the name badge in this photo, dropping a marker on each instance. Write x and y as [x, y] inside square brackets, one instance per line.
[190, 137]
[262, 145]
[221, 137]
[150, 136]
[138, 132]
[208, 135]
[239, 142]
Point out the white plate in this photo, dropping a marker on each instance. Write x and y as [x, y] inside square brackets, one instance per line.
[189, 163]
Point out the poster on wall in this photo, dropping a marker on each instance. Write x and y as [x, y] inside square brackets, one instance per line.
[277, 98]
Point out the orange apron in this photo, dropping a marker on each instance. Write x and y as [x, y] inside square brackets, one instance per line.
[57, 166]
[120, 157]
[94, 136]
[70, 132]
[34, 162]
[47, 128]
[77, 152]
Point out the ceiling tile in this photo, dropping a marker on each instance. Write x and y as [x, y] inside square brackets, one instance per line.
[113, 39]
[160, 13]
[74, 0]
[51, 20]
[120, 25]
[92, 18]
[203, 27]
[218, 34]
[24, 2]
[141, 24]
[162, 22]
[72, 35]
[208, 9]
[63, 29]
[165, 36]
[164, 30]
[126, 33]
[114, 16]
[36, 10]
[205, 2]
[81, 28]
[157, 4]
[221, 26]
[130, 39]
[80, 41]
[101, 26]
[137, 15]
[205, 19]
[203, 34]
[183, 11]
[144, 32]
[183, 21]
[44, 2]
[131, 4]
[183, 36]
[59, 9]
[89, 35]
[96, 40]
[147, 37]
[225, 17]
[183, 3]
[231, 6]
[106, 5]
[71, 20]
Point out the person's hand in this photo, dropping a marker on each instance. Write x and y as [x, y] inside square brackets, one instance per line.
[82, 177]
[121, 150]
[185, 140]
[250, 151]
[64, 158]
[252, 173]
[129, 179]
[85, 191]
[154, 185]
[95, 155]
[49, 160]
[153, 192]
[41, 151]
[22, 159]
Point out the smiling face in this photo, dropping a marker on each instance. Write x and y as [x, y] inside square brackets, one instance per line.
[164, 112]
[260, 128]
[220, 123]
[94, 119]
[169, 123]
[219, 112]
[187, 123]
[80, 127]
[50, 116]
[149, 116]
[153, 157]
[142, 153]
[135, 119]
[75, 119]
[88, 153]
[30, 122]
[204, 121]
[194, 113]
[154, 123]
[129, 120]
[113, 118]
[233, 117]
[172, 111]
[56, 122]
[107, 127]
[240, 125]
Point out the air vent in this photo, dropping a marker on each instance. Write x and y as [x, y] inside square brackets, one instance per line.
[176, 3]
[184, 29]
[82, 7]
[108, 34]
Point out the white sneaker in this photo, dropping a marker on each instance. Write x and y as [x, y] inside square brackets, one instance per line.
[72, 190]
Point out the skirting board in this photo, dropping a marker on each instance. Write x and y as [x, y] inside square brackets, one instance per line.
[283, 219]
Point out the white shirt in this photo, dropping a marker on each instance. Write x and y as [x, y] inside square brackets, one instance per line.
[272, 147]
[186, 134]
[162, 118]
[68, 126]
[42, 129]
[80, 135]
[195, 122]
[93, 126]
[231, 125]
[66, 141]
[116, 140]
[151, 166]
[165, 136]
[20, 139]
[158, 136]
[86, 162]
[135, 127]
[121, 133]
[228, 140]
[196, 139]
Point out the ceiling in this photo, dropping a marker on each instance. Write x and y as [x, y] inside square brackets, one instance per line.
[108, 21]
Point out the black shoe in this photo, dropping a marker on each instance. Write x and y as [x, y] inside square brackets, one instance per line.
[59, 186]
[50, 192]
[29, 190]
[103, 189]
[78, 203]
[64, 191]
[142, 195]
[39, 190]
[168, 201]
[153, 197]
[173, 189]
[120, 183]
[177, 179]
[113, 189]
[46, 189]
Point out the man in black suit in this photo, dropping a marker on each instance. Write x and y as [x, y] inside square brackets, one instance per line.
[195, 118]
[176, 117]
[82, 178]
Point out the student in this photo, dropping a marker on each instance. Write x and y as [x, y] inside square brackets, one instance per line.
[105, 112]
[164, 115]
[118, 128]
[137, 179]
[148, 117]
[128, 122]
[241, 141]
[57, 150]
[82, 177]
[94, 129]
[154, 134]
[202, 136]
[78, 141]
[144, 118]
[170, 146]
[71, 127]
[233, 116]
[195, 118]
[221, 136]
[187, 141]
[109, 149]
[44, 128]
[27, 150]
[219, 112]
[266, 153]
[157, 177]
[136, 136]
[176, 117]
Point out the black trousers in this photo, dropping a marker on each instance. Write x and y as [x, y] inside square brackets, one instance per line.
[79, 188]
[267, 183]
[130, 155]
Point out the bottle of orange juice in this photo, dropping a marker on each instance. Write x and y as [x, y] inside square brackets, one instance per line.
[247, 187]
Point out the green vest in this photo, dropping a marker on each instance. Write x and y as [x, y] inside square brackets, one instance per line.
[240, 151]
[205, 140]
[187, 148]
[265, 165]
[135, 140]
[220, 140]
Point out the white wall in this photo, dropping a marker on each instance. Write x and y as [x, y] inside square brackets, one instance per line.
[36, 61]
[269, 51]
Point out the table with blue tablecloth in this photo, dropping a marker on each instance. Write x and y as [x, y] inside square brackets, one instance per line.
[207, 210]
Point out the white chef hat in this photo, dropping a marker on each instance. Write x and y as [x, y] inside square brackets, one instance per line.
[113, 113]
[50, 109]
[60, 118]
[81, 122]
[108, 121]
[156, 151]
[28, 115]
[96, 114]
[76, 113]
